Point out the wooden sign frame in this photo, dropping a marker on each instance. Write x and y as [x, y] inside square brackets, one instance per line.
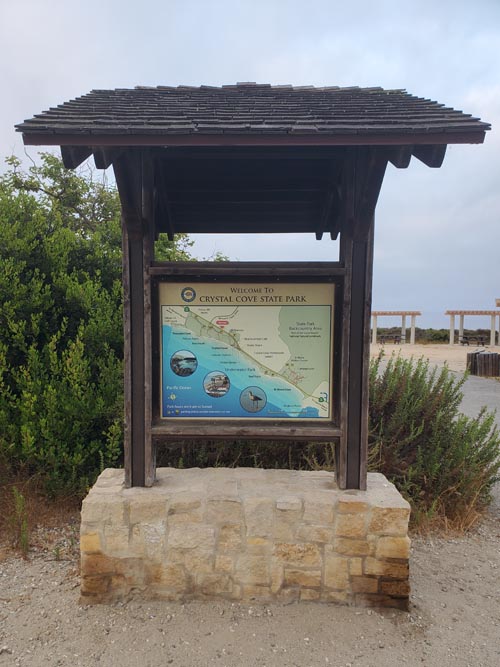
[234, 274]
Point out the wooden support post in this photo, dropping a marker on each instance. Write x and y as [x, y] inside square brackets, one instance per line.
[461, 329]
[403, 329]
[357, 254]
[374, 329]
[452, 329]
[134, 177]
[412, 332]
[148, 240]
[492, 331]
[361, 181]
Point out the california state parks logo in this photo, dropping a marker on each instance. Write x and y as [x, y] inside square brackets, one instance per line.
[188, 294]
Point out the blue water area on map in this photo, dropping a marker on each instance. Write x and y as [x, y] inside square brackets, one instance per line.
[189, 396]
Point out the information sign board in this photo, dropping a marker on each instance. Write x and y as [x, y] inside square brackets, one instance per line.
[246, 350]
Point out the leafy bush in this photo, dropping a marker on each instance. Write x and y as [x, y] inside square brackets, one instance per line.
[443, 462]
[61, 341]
[60, 326]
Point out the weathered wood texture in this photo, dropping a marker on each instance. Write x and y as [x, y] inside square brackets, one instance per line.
[484, 364]
[134, 177]
[127, 365]
[217, 431]
[258, 270]
[147, 258]
[363, 178]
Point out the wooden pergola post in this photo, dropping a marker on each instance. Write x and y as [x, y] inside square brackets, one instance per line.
[412, 334]
[461, 328]
[452, 329]
[403, 329]
[374, 329]
[492, 330]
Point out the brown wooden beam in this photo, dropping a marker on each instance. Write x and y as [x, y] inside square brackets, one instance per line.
[73, 156]
[235, 140]
[432, 156]
[273, 195]
[148, 213]
[249, 152]
[253, 431]
[133, 173]
[362, 179]
[371, 165]
[262, 270]
[331, 201]
[165, 218]
[128, 173]
[104, 157]
[357, 255]
[400, 156]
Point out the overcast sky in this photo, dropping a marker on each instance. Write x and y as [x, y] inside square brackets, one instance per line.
[437, 243]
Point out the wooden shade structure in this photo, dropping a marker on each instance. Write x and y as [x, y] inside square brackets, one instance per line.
[403, 314]
[462, 313]
[250, 158]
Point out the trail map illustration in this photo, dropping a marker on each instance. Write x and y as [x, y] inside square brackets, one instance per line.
[246, 351]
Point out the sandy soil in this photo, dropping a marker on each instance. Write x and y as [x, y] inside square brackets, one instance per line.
[454, 617]
[455, 356]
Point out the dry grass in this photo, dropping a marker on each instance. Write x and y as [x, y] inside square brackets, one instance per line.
[35, 522]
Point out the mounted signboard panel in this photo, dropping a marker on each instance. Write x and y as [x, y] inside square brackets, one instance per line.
[260, 351]
[251, 350]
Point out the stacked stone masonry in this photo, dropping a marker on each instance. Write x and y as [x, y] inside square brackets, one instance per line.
[245, 534]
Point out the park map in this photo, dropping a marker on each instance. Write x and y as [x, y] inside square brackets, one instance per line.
[248, 351]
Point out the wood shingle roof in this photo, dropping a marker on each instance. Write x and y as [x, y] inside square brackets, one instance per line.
[311, 115]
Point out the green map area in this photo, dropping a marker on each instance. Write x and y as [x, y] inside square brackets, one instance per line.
[291, 343]
[305, 338]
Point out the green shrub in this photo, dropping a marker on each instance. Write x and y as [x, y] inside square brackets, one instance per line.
[60, 326]
[443, 462]
[61, 340]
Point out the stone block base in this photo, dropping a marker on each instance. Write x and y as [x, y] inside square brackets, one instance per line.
[245, 534]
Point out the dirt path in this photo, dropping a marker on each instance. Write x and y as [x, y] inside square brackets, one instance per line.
[454, 617]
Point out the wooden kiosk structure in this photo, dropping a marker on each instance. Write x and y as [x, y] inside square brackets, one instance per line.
[250, 158]
[244, 159]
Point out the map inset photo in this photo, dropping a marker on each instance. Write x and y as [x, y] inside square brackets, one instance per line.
[183, 363]
[216, 384]
[253, 399]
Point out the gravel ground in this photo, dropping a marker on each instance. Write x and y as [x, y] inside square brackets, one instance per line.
[454, 617]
